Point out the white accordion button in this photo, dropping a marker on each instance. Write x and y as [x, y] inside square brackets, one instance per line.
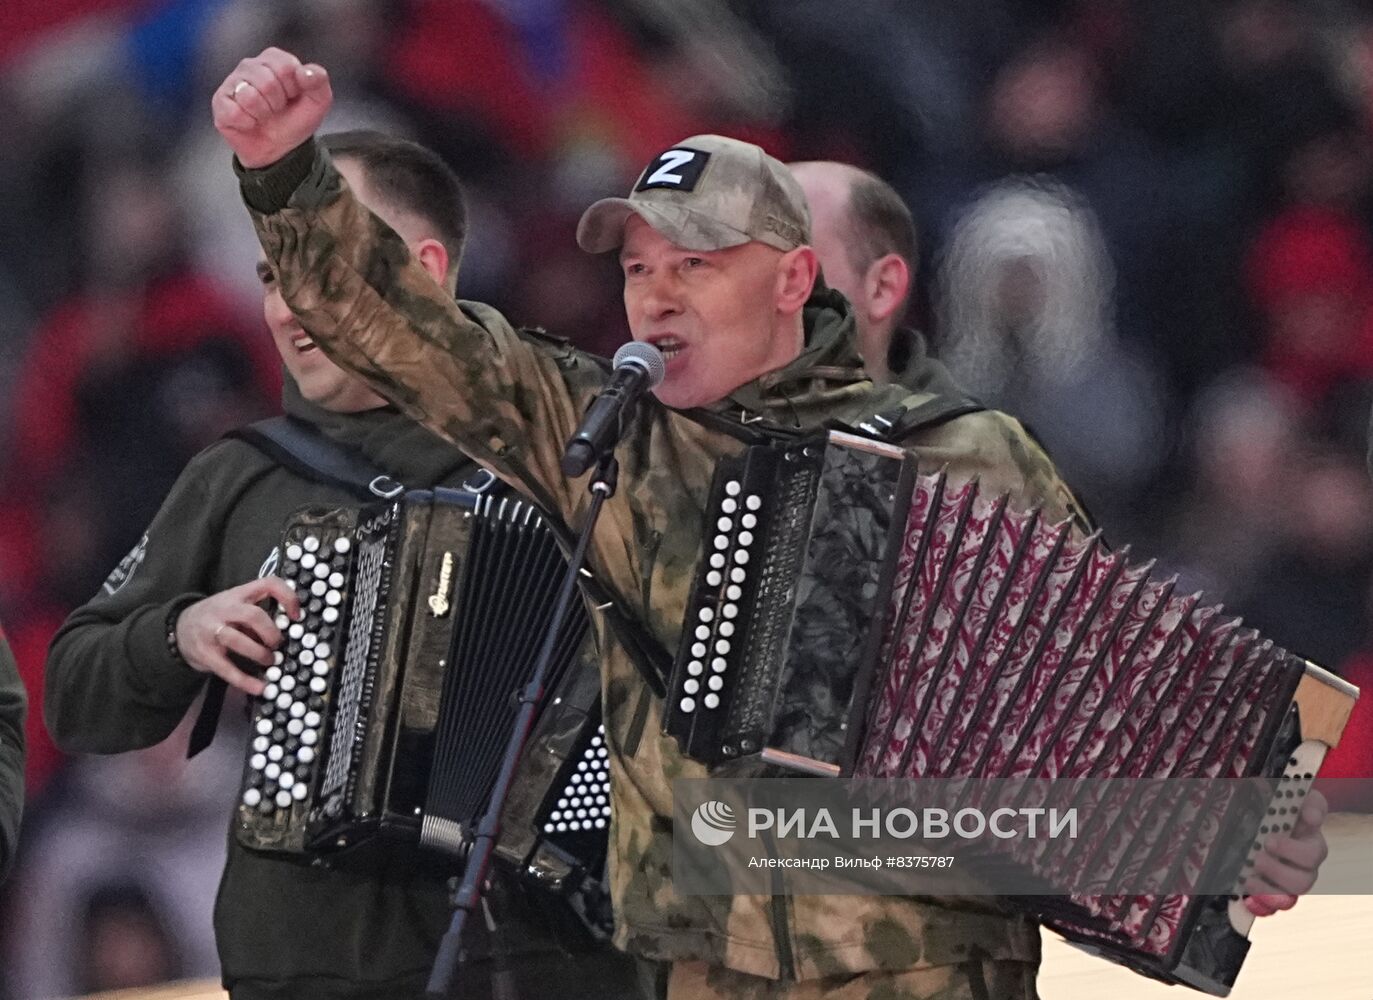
[703, 631]
[322, 650]
[321, 569]
[264, 726]
[741, 557]
[320, 667]
[342, 545]
[312, 719]
[296, 630]
[717, 561]
[330, 615]
[308, 640]
[272, 770]
[261, 743]
[307, 561]
[698, 649]
[319, 588]
[284, 701]
[274, 753]
[257, 761]
[307, 657]
[336, 580]
[305, 755]
[695, 667]
[753, 501]
[730, 610]
[734, 593]
[722, 646]
[287, 779]
[278, 658]
[714, 579]
[727, 629]
[712, 701]
[733, 488]
[707, 614]
[283, 799]
[297, 709]
[288, 683]
[270, 692]
[719, 664]
[749, 521]
[309, 737]
[311, 543]
[299, 791]
[721, 542]
[318, 684]
[282, 621]
[293, 552]
[688, 705]
[729, 505]
[691, 686]
[252, 797]
[295, 727]
[332, 599]
[724, 524]
[737, 574]
[745, 538]
[273, 674]
[716, 682]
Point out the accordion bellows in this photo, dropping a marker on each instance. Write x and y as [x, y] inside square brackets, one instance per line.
[886, 624]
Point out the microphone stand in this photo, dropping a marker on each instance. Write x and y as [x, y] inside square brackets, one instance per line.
[468, 894]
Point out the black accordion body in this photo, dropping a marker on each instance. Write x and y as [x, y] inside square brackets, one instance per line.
[388, 709]
[854, 617]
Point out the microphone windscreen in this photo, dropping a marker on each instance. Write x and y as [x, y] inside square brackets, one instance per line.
[645, 356]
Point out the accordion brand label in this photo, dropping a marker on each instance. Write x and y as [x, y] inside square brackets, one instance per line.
[438, 601]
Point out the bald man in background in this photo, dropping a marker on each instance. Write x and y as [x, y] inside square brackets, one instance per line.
[865, 238]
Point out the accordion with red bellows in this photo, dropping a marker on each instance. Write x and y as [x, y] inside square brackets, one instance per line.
[853, 617]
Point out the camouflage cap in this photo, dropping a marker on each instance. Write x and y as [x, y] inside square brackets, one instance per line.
[708, 192]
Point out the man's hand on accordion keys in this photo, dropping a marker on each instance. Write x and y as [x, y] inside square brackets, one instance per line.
[231, 622]
[1286, 868]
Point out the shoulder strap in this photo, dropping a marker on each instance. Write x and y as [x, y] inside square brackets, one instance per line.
[306, 450]
[895, 424]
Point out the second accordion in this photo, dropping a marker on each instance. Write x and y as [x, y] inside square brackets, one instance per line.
[387, 712]
[852, 616]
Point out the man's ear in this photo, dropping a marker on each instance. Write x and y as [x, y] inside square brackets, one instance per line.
[796, 274]
[885, 286]
[433, 257]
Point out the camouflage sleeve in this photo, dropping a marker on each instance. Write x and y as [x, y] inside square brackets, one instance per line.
[996, 450]
[505, 398]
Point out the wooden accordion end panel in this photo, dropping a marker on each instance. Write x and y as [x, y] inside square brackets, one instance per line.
[891, 625]
[388, 710]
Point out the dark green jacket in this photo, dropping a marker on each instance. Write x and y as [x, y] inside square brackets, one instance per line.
[12, 705]
[283, 927]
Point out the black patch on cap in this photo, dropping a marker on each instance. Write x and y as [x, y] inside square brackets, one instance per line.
[678, 169]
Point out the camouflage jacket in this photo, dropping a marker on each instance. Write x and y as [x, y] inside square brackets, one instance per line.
[511, 399]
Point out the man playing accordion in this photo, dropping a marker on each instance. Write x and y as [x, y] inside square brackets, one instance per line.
[720, 277]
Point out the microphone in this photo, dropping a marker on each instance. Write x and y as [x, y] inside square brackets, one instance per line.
[638, 368]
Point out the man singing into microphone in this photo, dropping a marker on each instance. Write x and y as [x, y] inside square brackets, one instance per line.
[719, 276]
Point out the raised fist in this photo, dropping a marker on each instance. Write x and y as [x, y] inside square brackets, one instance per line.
[269, 105]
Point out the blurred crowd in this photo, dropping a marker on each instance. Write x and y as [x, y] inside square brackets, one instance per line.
[1146, 228]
